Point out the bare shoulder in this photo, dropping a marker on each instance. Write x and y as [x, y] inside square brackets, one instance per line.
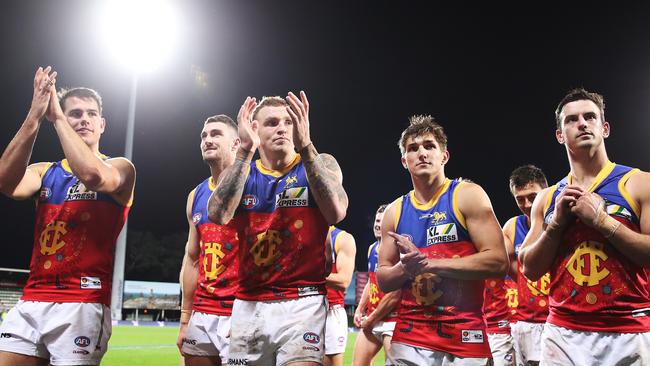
[39, 168]
[508, 225]
[347, 238]
[122, 164]
[638, 186]
[346, 242]
[471, 196]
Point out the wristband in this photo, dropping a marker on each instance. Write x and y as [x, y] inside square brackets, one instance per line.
[611, 225]
[185, 316]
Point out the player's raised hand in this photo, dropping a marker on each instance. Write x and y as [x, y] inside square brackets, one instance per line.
[299, 111]
[54, 111]
[43, 80]
[247, 128]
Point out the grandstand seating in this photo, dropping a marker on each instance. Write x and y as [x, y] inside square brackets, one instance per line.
[9, 297]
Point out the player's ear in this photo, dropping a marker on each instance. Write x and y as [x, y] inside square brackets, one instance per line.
[606, 129]
[559, 137]
[404, 163]
[446, 157]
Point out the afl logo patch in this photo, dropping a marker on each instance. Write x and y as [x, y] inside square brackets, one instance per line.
[196, 218]
[249, 201]
[82, 341]
[45, 193]
[311, 337]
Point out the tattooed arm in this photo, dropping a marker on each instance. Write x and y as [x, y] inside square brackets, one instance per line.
[325, 183]
[225, 198]
[323, 172]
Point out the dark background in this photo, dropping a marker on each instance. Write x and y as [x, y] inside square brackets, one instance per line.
[491, 75]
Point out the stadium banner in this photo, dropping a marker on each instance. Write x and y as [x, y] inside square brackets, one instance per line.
[151, 295]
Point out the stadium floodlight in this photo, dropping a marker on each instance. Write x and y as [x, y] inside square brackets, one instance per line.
[140, 33]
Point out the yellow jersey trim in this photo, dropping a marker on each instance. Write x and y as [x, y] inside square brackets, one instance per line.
[454, 204]
[130, 203]
[398, 213]
[47, 167]
[626, 195]
[191, 197]
[336, 242]
[432, 202]
[549, 198]
[66, 166]
[602, 174]
[277, 173]
[211, 184]
[370, 249]
[513, 233]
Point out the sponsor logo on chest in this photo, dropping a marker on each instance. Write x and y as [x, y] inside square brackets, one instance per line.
[79, 192]
[444, 233]
[293, 197]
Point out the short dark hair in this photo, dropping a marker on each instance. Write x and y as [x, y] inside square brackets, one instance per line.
[525, 175]
[580, 94]
[420, 125]
[82, 93]
[223, 119]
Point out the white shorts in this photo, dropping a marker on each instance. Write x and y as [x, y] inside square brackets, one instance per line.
[528, 341]
[502, 348]
[382, 329]
[71, 333]
[336, 330]
[277, 332]
[405, 355]
[207, 335]
[561, 346]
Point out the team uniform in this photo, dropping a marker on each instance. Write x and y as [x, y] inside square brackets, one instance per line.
[207, 331]
[383, 327]
[280, 309]
[440, 319]
[599, 299]
[64, 312]
[499, 302]
[532, 305]
[336, 325]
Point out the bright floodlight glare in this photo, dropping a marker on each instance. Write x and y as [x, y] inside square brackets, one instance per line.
[140, 33]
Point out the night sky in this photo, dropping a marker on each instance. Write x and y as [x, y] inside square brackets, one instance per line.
[491, 76]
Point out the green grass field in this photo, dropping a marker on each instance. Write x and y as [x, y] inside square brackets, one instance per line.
[156, 346]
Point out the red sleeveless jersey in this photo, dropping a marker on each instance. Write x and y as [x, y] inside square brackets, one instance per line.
[282, 236]
[593, 286]
[532, 296]
[334, 297]
[499, 302]
[74, 241]
[218, 272]
[440, 313]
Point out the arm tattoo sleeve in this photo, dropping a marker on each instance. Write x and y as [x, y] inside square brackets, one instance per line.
[324, 176]
[225, 198]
